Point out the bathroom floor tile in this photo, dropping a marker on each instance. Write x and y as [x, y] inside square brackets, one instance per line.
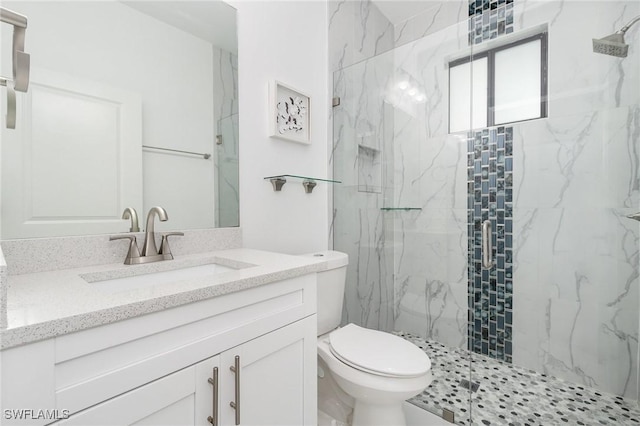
[511, 395]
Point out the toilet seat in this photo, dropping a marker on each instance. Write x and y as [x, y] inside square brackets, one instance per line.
[378, 353]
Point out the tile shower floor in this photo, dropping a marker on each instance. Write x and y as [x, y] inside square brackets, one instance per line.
[510, 395]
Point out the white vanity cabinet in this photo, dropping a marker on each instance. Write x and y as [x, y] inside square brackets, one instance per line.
[155, 369]
[271, 387]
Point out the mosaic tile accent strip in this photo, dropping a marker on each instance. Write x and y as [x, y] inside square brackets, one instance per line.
[490, 197]
[489, 19]
[510, 395]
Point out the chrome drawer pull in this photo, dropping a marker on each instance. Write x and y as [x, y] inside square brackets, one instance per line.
[236, 404]
[213, 419]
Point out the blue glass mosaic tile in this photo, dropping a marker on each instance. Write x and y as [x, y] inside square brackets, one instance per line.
[490, 197]
[489, 19]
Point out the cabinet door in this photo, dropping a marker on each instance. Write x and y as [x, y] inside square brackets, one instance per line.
[277, 383]
[168, 401]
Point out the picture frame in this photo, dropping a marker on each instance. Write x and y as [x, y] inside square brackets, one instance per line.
[290, 113]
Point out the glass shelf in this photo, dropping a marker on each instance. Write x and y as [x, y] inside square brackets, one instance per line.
[307, 182]
[391, 209]
[303, 177]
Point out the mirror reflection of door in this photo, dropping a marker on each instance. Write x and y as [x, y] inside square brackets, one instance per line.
[110, 79]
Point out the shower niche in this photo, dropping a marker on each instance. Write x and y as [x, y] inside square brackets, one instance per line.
[369, 166]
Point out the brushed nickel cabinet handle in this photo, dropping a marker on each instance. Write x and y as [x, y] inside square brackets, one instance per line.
[487, 250]
[236, 404]
[213, 419]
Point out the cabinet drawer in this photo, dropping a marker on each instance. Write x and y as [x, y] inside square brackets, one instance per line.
[167, 401]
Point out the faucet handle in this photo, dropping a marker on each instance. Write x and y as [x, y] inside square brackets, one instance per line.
[165, 250]
[133, 252]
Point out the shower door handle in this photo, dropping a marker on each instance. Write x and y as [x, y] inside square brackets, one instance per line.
[487, 249]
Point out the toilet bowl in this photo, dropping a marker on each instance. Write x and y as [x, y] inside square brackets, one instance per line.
[377, 370]
[369, 371]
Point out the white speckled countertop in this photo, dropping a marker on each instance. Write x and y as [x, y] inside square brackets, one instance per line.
[46, 304]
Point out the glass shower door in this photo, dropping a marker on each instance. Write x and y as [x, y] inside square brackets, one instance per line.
[401, 210]
[571, 273]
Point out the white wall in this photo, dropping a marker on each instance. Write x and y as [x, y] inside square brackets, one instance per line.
[285, 41]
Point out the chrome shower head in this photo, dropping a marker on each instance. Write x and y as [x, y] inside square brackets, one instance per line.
[614, 44]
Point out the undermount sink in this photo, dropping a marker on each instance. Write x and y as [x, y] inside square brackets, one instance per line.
[158, 278]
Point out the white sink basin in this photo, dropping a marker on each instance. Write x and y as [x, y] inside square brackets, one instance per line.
[158, 278]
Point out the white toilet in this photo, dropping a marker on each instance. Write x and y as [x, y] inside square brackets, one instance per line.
[370, 372]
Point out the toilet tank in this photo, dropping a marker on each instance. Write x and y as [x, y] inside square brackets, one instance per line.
[331, 284]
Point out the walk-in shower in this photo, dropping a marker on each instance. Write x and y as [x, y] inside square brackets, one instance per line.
[614, 44]
[521, 128]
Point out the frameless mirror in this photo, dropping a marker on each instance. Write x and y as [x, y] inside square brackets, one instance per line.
[130, 104]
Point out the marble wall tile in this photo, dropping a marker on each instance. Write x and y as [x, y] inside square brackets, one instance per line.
[225, 83]
[360, 233]
[576, 177]
[430, 257]
[576, 256]
[430, 173]
[575, 250]
[580, 80]
[424, 64]
[362, 123]
[576, 295]
[432, 20]
[226, 155]
[431, 274]
[357, 31]
[599, 147]
[227, 163]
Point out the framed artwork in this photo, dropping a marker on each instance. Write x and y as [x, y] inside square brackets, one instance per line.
[289, 113]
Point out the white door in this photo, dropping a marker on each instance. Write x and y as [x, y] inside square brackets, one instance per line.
[74, 161]
[277, 378]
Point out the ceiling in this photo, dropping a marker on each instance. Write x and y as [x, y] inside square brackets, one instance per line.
[214, 21]
[398, 11]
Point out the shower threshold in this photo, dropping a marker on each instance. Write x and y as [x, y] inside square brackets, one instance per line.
[511, 395]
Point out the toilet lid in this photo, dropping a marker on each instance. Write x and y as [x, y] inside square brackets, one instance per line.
[378, 352]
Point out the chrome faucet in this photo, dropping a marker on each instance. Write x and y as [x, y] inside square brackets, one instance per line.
[131, 213]
[149, 248]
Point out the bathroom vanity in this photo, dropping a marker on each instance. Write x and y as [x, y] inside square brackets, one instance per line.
[234, 346]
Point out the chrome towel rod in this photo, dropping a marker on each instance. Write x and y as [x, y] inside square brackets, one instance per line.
[21, 60]
[13, 18]
[205, 156]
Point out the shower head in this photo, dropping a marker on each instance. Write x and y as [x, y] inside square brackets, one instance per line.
[614, 44]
